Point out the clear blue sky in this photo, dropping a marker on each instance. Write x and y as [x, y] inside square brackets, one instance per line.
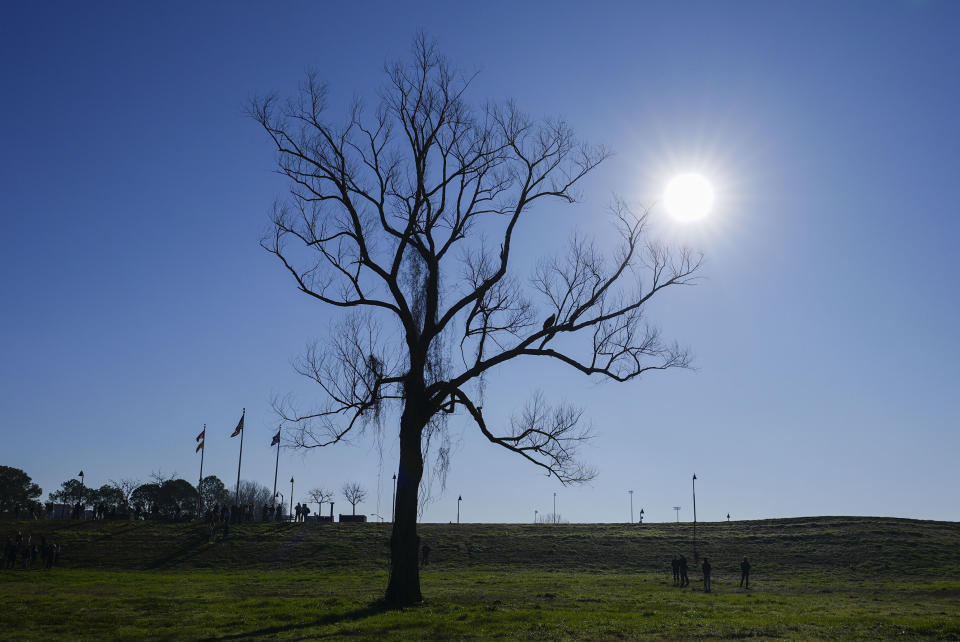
[137, 304]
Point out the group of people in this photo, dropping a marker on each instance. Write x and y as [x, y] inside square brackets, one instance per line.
[302, 510]
[28, 552]
[680, 568]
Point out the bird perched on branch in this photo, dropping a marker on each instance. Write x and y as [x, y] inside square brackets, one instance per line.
[549, 322]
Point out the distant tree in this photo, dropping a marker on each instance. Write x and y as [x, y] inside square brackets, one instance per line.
[553, 518]
[146, 497]
[176, 498]
[404, 217]
[354, 493]
[320, 496]
[213, 492]
[255, 493]
[71, 492]
[158, 476]
[110, 496]
[16, 488]
[125, 486]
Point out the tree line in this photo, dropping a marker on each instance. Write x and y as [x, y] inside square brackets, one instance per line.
[163, 496]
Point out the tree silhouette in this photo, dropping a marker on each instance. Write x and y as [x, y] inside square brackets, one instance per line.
[390, 221]
[354, 493]
[320, 496]
[16, 488]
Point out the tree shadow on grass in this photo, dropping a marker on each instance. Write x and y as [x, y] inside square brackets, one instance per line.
[198, 542]
[374, 608]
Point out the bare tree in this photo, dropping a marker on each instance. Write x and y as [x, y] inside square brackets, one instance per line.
[126, 487]
[254, 493]
[354, 493]
[320, 496]
[389, 221]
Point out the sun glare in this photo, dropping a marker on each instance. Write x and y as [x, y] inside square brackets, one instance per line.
[688, 197]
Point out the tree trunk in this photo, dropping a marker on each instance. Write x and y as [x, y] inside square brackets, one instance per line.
[404, 586]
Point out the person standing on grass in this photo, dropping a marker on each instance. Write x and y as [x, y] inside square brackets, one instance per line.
[706, 575]
[745, 572]
[684, 578]
[425, 555]
[675, 565]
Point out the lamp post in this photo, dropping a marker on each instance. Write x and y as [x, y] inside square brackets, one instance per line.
[641, 516]
[393, 513]
[459, 499]
[695, 556]
[631, 505]
[677, 509]
[291, 495]
[83, 507]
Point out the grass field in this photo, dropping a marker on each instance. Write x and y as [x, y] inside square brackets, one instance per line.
[827, 578]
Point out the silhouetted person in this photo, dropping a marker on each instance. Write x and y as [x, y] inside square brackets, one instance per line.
[304, 512]
[675, 565]
[745, 572]
[684, 579]
[425, 554]
[706, 575]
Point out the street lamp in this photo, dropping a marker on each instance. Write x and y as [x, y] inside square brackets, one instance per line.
[393, 513]
[695, 556]
[459, 499]
[631, 505]
[80, 499]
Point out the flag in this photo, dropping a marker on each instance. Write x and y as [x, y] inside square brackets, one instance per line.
[694, 475]
[203, 433]
[276, 438]
[239, 426]
[199, 446]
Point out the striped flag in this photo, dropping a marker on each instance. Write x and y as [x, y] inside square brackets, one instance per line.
[239, 427]
[276, 439]
[202, 435]
[199, 446]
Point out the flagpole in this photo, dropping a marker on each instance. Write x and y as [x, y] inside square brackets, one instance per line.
[240, 459]
[695, 516]
[276, 469]
[200, 483]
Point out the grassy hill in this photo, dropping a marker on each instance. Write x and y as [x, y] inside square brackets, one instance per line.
[840, 546]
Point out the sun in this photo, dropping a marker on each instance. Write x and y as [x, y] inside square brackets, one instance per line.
[688, 197]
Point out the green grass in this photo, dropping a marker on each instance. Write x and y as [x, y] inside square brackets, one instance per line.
[817, 578]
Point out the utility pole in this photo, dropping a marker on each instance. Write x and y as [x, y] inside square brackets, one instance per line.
[677, 509]
[83, 504]
[291, 496]
[695, 517]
